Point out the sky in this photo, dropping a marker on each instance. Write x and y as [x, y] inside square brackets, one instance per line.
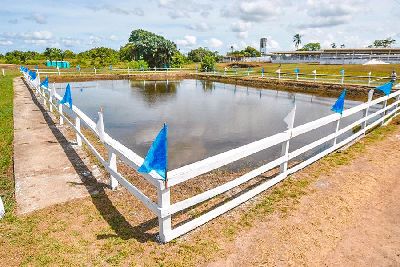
[79, 25]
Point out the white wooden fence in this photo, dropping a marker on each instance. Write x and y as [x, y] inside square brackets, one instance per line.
[164, 209]
[100, 71]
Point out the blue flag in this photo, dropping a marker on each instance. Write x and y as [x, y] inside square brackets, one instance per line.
[67, 98]
[386, 88]
[339, 105]
[157, 156]
[296, 70]
[45, 83]
[32, 74]
[342, 71]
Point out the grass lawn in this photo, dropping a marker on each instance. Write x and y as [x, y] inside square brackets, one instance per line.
[103, 230]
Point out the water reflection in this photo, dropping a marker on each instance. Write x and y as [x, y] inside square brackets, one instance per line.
[205, 118]
[153, 91]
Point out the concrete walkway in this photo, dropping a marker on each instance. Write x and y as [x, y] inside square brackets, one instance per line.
[47, 168]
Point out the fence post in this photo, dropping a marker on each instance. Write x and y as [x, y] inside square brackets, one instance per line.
[369, 78]
[315, 75]
[112, 164]
[58, 70]
[129, 73]
[51, 97]
[60, 110]
[95, 71]
[297, 76]
[370, 95]
[285, 153]
[384, 113]
[78, 128]
[279, 74]
[342, 81]
[164, 201]
[2, 70]
[337, 129]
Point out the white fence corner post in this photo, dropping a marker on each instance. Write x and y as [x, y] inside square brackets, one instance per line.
[60, 110]
[58, 70]
[95, 71]
[78, 128]
[112, 163]
[3, 71]
[164, 222]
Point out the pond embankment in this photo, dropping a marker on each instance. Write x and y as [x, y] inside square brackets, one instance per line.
[356, 92]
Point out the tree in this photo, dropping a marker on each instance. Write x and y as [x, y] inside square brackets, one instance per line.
[251, 52]
[68, 54]
[342, 46]
[385, 43]
[333, 45]
[208, 63]
[311, 47]
[178, 60]
[297, 40]
[153, 48]
[127, 52]
[52, 53]
[198, 54]
[99, 56]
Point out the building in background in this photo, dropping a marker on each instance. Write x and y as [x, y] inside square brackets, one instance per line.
[263, 46]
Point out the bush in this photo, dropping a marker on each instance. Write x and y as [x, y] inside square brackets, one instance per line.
[139, 64]
[208, 63]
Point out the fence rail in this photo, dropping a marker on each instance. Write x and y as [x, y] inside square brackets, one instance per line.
[164, 209]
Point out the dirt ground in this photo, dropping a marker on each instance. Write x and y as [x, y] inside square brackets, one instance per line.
[351, 218]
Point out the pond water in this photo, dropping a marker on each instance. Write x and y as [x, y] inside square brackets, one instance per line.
[204, 118]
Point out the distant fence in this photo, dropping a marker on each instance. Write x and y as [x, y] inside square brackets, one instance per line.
[375, 112]
[287, 75]
[99, 71]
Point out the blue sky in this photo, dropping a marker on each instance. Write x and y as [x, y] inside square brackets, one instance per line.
[80, 25]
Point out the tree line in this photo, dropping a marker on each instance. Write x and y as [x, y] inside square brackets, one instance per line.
[297, 40]
[144, 49]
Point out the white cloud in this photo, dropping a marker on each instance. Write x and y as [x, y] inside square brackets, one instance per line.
[113, 37]
[6, 42]
[200, 27]
[187, 41]
[241, 28]
[214, 43]
[38, 18]
[259, 10]
[118, 10]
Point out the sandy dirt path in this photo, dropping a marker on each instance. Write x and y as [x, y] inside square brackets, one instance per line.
[351, 217]
[43, 158]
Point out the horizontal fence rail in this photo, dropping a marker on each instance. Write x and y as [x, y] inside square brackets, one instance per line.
[375, 112]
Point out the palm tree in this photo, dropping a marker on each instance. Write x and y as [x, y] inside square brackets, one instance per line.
[297, 40]
[333, 45]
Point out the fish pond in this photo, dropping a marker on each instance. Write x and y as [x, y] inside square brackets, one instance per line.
[204, 117]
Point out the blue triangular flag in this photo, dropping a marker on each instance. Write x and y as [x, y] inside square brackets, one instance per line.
[339, 105]
[157, 156]
[67, 98]
[296, 70]
[342, 71]
[32, 74]
[386, 88]
[45, 83]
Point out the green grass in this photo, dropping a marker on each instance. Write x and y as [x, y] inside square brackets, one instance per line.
[67, 234]
[6, 141]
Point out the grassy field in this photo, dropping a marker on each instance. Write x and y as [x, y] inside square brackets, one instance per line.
[6, 139]
[104, 230]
